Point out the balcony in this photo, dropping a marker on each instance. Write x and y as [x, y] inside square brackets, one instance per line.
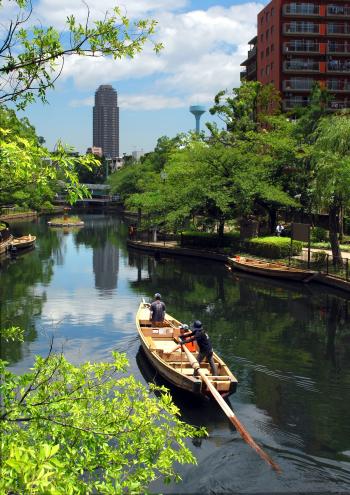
[339, 105]
[301, 84]
[338, 48]
[298, 46]
[338, 11]
[296, 101]
[304, 28]
[252, 52]
[338, 29]
[302, 9]
[243, 75]
[338, 86]
[251, 69]
[301, 65]
[339, 66]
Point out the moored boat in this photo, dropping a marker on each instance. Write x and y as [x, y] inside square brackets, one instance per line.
[23, 242]
[273, 269]
[175, 367]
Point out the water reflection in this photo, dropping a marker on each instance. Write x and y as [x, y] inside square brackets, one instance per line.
[288, 345]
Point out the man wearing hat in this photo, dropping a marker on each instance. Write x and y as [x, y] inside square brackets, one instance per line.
[205, 348]
[157, 310]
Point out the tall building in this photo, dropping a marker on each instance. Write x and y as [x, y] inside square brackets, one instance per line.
[298, 44]
[106, 121]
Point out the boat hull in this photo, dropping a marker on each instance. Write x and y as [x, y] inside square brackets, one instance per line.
[23, 242]
[273, 270]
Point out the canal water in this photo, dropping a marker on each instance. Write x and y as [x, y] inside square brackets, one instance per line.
[288, 344]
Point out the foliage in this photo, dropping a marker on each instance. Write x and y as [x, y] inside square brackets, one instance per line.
[86, 429]
[33, 57]
[211, 240]
[319, 234]
[29, 173]
[70, 219]
[14, 334]
[273, 247]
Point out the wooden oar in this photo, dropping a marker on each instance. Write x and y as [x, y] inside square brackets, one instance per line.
[229, 413]
[227, 410]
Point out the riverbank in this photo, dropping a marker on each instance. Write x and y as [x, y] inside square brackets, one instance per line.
[173, 248]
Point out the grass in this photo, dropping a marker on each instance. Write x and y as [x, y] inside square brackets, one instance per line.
[63, 220]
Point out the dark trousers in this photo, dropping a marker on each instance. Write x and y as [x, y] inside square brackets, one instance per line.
[209, 357]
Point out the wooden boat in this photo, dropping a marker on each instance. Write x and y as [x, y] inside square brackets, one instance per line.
[23, 242]
[176, 367]
[276, 270]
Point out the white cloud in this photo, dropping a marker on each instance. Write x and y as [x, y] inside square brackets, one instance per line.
[202, 53]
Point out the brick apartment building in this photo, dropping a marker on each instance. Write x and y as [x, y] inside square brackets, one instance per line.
[298, 44]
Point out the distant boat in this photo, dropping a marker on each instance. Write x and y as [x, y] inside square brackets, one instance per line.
[273, 269]
[23, 242]
[176, 367]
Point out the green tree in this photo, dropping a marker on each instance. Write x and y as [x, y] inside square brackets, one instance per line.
[86, 429]
[331, 172]
[32, 58]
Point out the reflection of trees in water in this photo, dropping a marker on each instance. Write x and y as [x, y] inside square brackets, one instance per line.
[20, 302]
[292, 338]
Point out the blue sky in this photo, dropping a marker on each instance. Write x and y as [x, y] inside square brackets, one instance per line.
[204, 44]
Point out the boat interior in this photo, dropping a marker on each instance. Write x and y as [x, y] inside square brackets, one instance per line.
[161, 341]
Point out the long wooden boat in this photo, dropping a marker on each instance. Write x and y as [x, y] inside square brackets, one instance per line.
[23, 242]
[176, 367]
[276, 270]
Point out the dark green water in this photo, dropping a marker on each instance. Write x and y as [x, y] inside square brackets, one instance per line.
[288, 345]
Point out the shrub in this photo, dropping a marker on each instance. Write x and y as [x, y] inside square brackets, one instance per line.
[272, 247]
[319, 258]
[207, 240]
[319, 234]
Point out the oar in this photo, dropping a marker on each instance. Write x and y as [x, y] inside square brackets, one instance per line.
[229, 413]
[227, 410]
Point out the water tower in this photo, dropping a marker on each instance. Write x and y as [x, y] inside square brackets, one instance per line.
[197, 111]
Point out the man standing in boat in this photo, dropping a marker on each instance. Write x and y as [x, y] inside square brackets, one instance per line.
[157, 310]
[205, 348]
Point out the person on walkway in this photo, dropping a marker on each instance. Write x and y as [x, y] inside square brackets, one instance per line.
[199, 336]
[157, 310]
[279, 229]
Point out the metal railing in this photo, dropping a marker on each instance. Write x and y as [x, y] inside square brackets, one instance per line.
[335, 10]
[338, 66]
[301, 47]
[321, 261]
[301, 9]
[298, 84]
[336, 29]
[301, 65]
[339, 48]
[338, 85]
[301, 28]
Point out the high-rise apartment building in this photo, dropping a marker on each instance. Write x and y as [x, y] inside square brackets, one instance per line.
[298, 44]
[106, 121]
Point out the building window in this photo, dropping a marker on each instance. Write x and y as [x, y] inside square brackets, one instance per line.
[267, 17]
[272, 47]
[262, 19]
[272, 12]
[271, 66]
[267, 51]
[272, 30]
[262, 72]
[262, 37]
[267, 70]
[262, 55]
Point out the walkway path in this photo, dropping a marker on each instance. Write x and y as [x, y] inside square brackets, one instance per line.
[344, 254]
